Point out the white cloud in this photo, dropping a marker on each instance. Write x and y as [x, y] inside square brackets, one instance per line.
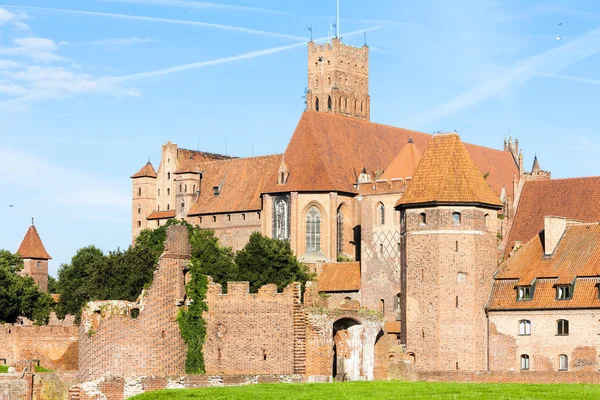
[9, 88]
[7, 64]
[6, 18]
[548, 62]
[164, 21]
[570, 78]
[198, 5]
[120, 42]
[35, 48]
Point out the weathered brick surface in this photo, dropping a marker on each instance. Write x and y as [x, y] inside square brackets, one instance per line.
[111, 342]
[544, 346]
[54, 346]
[447, 276]
[257, 333]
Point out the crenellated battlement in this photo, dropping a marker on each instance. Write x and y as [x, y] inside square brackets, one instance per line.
[241, 290]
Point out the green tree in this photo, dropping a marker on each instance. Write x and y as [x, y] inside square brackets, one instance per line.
[264, 260]
[52, 285]
[213, 260]
[20, 296]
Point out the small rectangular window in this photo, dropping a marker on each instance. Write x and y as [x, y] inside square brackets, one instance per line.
[524, 361]
[524, 293]
[562, 327]
[563, 364]
[563, 292]
[525, 327]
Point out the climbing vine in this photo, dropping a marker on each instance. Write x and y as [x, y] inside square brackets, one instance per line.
[191, 322]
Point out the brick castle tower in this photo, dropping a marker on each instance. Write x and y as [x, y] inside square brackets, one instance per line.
[338, 79]
[144, 197]
[448, 240]
[35, 258]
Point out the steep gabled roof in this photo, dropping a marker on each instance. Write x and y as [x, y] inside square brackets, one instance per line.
[339, 277]
[327, 153]
[405, 164]
[147, 171]
[575, 198]
[183, 155]
[448, 175]
[575, 259]
[241, 181]
[32, 246]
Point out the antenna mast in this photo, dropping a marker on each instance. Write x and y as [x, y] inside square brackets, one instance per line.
[337, 26]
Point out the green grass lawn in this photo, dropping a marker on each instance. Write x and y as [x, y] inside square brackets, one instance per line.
[382, 390]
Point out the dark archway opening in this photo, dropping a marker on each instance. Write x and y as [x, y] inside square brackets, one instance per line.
[342, 324]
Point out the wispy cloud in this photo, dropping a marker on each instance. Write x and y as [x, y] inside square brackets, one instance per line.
[547, 62]
[61, 186]
[114, 43]
[160, 20]
[35, 48]
[198, 5]
[6, 18]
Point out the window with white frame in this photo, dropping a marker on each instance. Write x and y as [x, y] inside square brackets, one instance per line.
[524, 327]
[563, 292]
[524, 361]
[524, 293]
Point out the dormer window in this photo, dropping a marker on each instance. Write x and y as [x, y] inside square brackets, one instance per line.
[564, 292]
[524, 293]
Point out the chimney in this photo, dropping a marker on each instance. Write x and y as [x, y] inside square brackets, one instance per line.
[554, 228]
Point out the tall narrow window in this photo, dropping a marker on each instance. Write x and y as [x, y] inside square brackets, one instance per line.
[159, 192]
[168, 175]
[346, 104]
[397, 302]
[139, 224]
[328, 103]
[180, 188]
[317, 102]
[563, 362]
[340, 232]
[313, 230]
[456, 218]
[194, 189]
[524, 361]
[168, 191]
[382, 305]
[423, 218]
[381, 213]
[168, 207]
[525, 327]
[139, 209]
[184, 188]
[562, 327]
[39, 265]
[139, 191]
[486, 220]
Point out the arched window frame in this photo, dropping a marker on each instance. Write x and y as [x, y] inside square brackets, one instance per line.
[422, 219]
[329, 105]
[524, 362]
[340, 231]
[313, 229]
[380, 214]
[486, 220]
[456, 218]
[562, 327]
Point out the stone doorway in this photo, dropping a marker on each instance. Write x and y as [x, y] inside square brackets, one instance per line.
[348, 347]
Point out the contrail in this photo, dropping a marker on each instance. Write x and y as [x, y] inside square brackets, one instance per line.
[159, 20]
[201, 5]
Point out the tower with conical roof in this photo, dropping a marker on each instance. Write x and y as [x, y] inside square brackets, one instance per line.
[35, 258]
[143, 196]
[448, 247]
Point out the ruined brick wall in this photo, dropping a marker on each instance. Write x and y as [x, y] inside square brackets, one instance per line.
[380, 258]
[543, 345]
[54, 346]
[446, 281]
[509, 377]
[261, 333]
[112, 342]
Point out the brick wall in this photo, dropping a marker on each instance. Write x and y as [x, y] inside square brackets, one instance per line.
[38, 270]
[112, 342]
[447, 275]
[54, 346]
[259, 333]
[543, 345]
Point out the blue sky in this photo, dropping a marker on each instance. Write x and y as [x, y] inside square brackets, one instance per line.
[90, 89]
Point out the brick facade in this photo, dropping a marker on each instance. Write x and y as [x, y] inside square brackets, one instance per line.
[38, 270]
[259, 333]
[113, 342]
[447, 275]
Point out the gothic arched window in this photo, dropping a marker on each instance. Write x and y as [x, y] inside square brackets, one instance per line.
[328, 103]
[340, 232]
[313, 230]
[381, 213]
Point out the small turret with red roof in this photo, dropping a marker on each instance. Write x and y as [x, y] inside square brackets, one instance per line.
[35, 258]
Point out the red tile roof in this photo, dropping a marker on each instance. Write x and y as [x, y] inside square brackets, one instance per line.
[183, 155]
[242, 181]
[576, 198]
[162, 215]
[575, 259]
[32, 246]
[392, 327]
[147, 171]
[405, 164]
[339, 277]
[447, 174]
[327, 152]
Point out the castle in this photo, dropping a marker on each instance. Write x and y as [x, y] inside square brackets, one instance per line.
[435, 259]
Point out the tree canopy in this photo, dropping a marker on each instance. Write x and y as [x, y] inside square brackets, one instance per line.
[19, 295]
